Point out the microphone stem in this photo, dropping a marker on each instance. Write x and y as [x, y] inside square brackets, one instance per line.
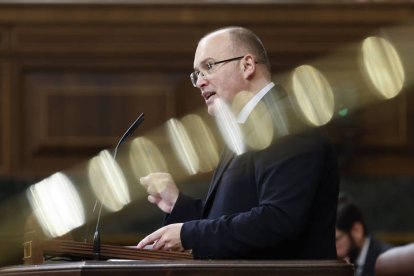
[97, 235]
[96, 245]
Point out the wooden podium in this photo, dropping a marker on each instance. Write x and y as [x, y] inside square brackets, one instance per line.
[184, 267]
[131, 261]
[37, 248]
[35, 253]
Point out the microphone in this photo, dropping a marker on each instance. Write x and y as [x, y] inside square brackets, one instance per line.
[128, 133]
[97, 236]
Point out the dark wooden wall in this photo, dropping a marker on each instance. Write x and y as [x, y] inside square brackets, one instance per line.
[73, 76]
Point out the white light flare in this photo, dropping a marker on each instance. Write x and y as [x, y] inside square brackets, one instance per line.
[108, 181]
[56, 205]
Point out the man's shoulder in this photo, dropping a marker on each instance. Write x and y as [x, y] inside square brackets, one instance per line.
[310, 139]
[379, 246]
[310, 142]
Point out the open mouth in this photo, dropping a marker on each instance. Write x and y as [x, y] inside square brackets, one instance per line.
[208, 95]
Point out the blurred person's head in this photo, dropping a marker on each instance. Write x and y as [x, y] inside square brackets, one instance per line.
[351, 230]
[227, 61]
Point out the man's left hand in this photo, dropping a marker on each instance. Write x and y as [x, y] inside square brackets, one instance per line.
[165, 238]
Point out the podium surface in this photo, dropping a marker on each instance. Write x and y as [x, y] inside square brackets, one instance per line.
[184, 267]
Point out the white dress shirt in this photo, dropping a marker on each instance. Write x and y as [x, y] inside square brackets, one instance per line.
[248, 108]
[360, 261]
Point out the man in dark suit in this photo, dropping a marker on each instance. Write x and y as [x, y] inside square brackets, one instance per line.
[273, 202]
[353, 241]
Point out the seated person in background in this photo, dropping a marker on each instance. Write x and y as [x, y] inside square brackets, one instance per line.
[353, 241]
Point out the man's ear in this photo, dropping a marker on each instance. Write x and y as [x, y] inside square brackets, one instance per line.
[248, 66]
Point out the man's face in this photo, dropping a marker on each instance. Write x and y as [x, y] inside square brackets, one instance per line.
[224, 80]
[343, 243]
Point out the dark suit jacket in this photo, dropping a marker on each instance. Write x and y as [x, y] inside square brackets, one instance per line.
[374, 250]
[275, 203]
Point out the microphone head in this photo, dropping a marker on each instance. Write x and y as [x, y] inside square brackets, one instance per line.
[129, 131]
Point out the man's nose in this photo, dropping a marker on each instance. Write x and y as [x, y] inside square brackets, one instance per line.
[201, 80]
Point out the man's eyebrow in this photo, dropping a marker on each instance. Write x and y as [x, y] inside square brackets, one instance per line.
[203, 62]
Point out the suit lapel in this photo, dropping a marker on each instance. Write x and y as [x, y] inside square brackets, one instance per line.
[270, 99]
[225, 159]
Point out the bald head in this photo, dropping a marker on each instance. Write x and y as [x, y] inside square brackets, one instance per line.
[243, 40]
[228, 61]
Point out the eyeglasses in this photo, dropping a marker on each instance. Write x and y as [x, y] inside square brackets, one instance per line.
[209, 68]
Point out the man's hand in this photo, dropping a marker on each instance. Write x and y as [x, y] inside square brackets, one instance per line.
[165, 238]
[161, 190]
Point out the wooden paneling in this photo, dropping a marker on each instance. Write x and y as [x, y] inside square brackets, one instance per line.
[4, 102]
[4, 39]
[73, 115]
[206, 12]
[74, 76]
[2, 122]
[95, 40]
[385, 123]
[5, 127]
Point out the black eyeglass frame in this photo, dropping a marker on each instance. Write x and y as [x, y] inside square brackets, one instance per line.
[194, 75]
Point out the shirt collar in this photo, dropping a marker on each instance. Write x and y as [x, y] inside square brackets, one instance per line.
[363, 254]
[248, 108]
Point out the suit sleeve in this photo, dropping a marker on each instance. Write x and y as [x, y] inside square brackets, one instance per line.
[186, 208]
